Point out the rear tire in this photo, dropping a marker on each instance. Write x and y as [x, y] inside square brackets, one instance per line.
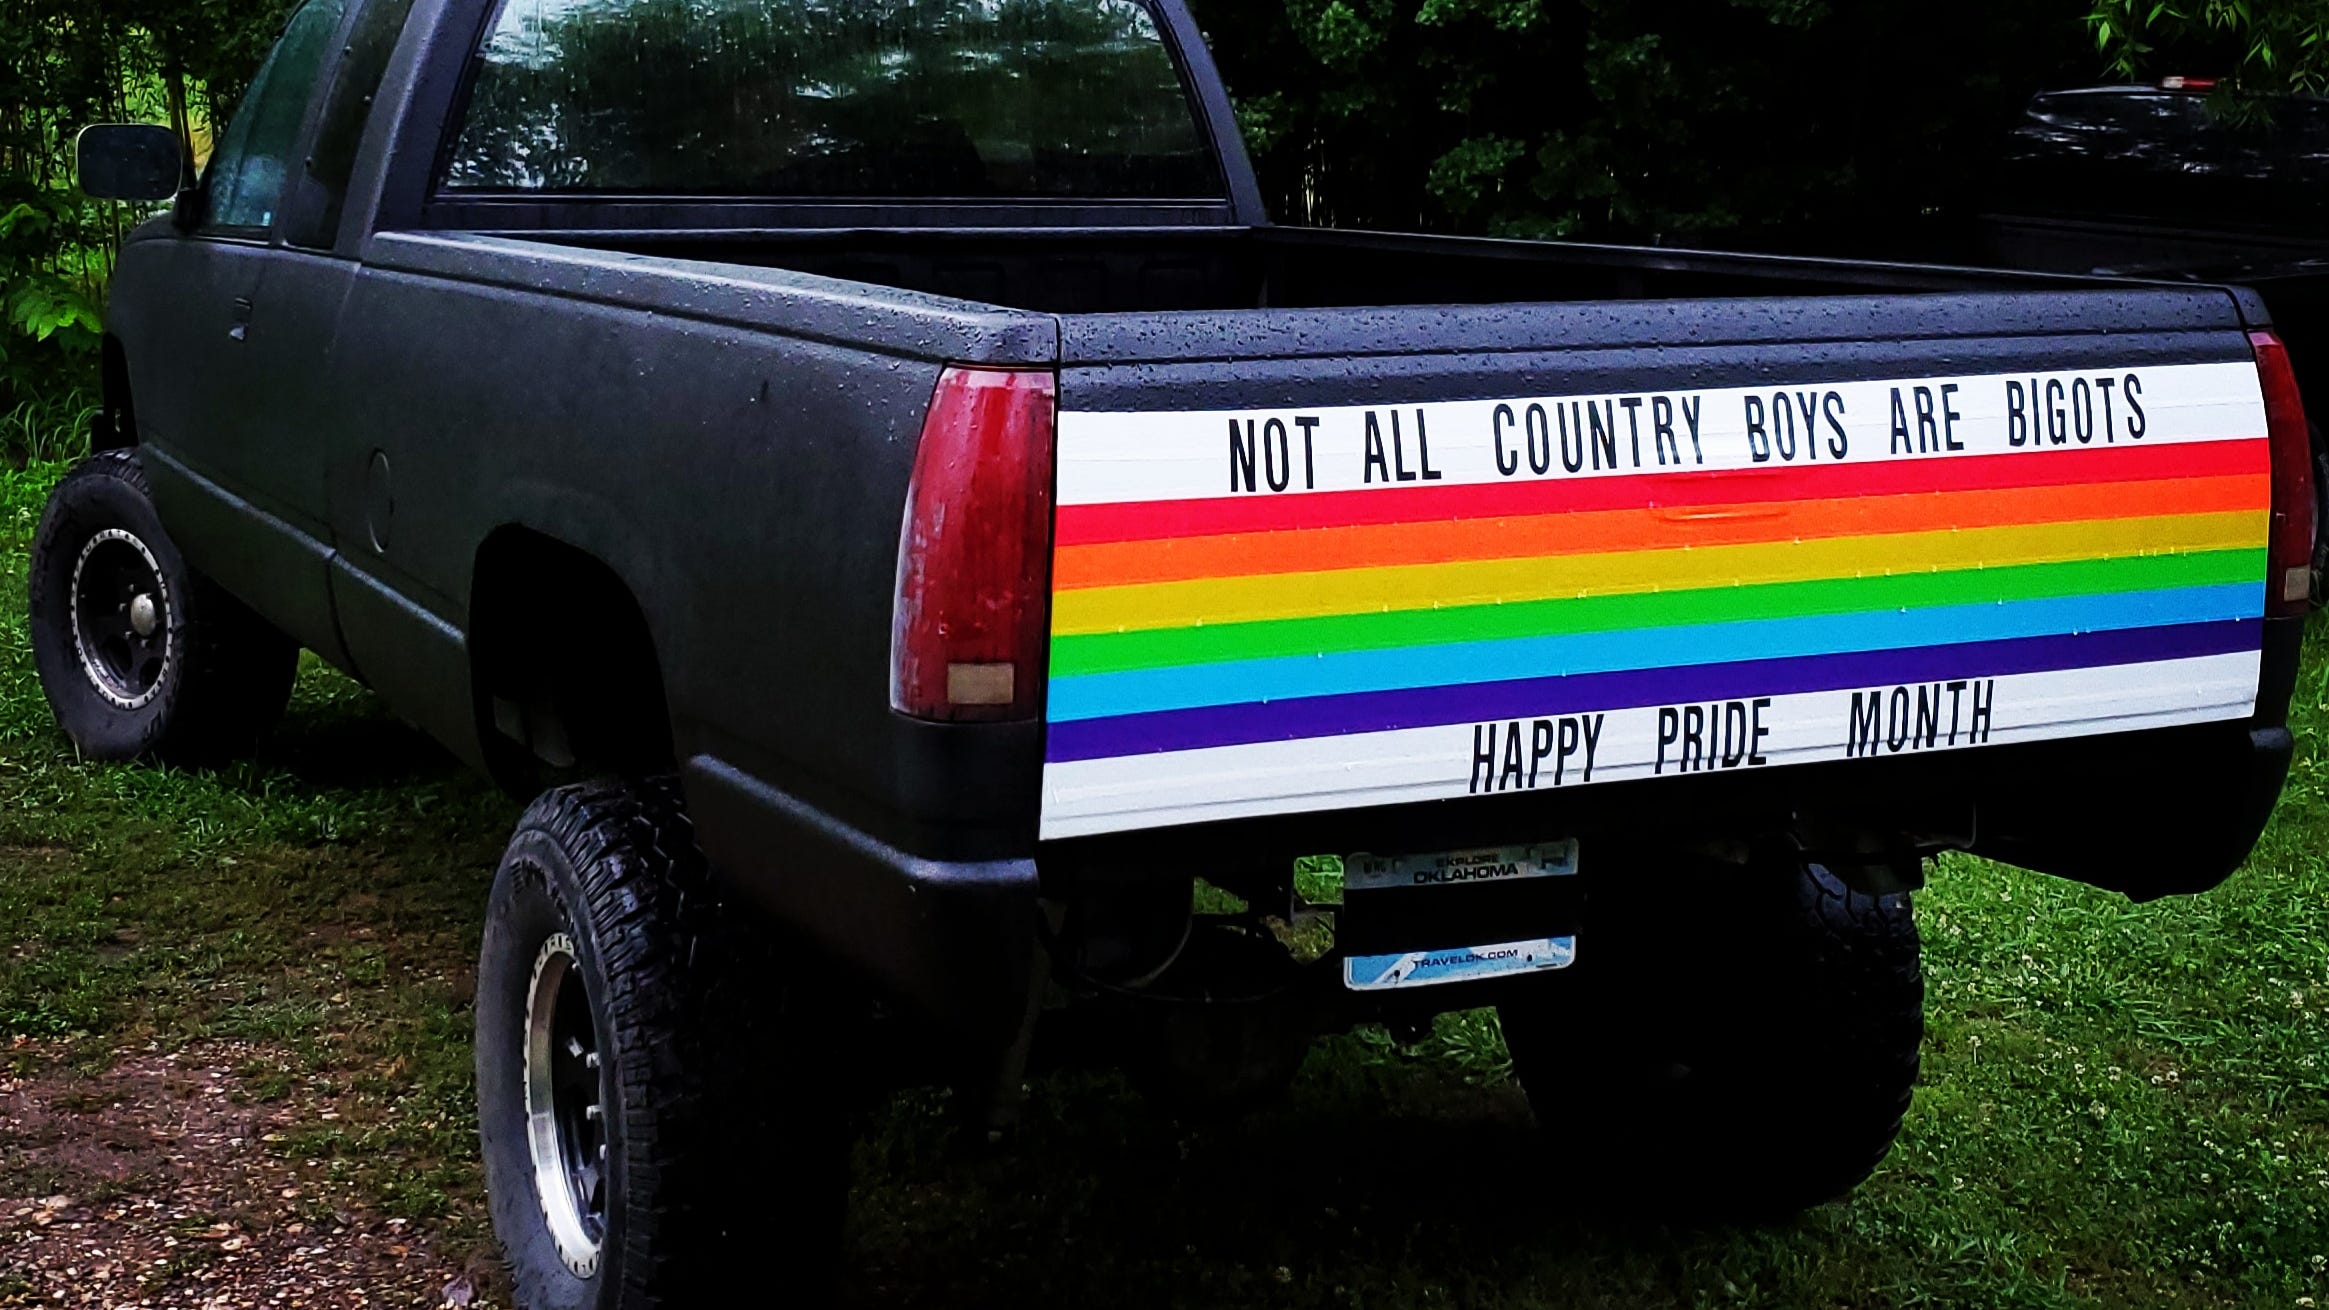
[1743, 1047]
[660, 1124]
[138, 654]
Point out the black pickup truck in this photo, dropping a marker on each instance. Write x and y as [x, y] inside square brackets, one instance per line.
[969, 594]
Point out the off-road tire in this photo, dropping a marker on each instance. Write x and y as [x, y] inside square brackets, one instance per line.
[224, 674]
[726, 1161]
[1737, 1044]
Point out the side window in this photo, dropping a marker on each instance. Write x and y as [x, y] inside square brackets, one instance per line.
[968, 99]
[315, 222]
[249, 168]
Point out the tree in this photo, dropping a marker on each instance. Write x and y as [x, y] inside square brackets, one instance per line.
[2265, 46]
[1674, 120]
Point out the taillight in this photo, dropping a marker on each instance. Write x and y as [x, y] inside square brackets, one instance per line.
[974, 561]
[2291, 558]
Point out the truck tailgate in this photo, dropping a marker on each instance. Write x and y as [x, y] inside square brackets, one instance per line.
[1298, 569]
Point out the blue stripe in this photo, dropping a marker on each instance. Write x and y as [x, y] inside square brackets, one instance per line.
[1150, 691]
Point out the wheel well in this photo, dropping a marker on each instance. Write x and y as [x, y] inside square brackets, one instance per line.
[116, 424]
[563, 662]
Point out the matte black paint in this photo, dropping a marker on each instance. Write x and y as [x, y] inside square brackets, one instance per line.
[721, 404]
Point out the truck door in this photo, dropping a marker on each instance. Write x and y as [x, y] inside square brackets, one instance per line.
[238, 474]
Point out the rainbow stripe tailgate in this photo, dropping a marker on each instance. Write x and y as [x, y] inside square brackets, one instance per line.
[1303, 609]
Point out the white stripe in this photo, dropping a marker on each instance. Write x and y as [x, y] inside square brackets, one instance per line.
[1391, 768]
[1114, 458]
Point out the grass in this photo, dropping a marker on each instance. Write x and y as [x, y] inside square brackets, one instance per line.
[2123, 1105]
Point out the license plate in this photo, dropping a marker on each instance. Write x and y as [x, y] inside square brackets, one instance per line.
[1460, 868]
[1368, 879]
[1383, 973]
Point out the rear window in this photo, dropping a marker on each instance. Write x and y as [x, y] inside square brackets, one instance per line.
[975, 99]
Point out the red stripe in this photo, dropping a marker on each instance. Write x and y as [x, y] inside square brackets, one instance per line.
[1084, 525]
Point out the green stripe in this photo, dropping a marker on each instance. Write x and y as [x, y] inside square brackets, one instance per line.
[1117, 652]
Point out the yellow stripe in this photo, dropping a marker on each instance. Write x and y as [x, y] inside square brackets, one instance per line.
[1491, 582]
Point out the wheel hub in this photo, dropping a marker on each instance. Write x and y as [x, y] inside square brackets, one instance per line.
[121, 630]
[565, 1107]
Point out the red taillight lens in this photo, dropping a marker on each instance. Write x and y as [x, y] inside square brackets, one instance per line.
[2290, 589]
[974, 561]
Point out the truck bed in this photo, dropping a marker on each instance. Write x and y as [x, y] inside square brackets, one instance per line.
[1118, 270]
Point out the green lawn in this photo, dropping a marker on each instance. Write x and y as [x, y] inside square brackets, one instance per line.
[2123, 1105]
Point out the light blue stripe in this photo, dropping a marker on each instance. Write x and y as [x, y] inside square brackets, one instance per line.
[1145, 691]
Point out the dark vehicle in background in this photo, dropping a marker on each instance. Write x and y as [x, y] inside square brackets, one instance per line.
[874, 474]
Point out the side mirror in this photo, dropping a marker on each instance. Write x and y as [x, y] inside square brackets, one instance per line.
[128, 161]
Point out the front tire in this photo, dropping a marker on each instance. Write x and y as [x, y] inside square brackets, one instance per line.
[138, 654]
[658, 1127]
[1744, 1046]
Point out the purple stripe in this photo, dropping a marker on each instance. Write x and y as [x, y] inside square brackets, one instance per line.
[1431, 707]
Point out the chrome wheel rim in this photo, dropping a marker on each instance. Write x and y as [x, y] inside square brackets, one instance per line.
[121, 619]
[565, 1107]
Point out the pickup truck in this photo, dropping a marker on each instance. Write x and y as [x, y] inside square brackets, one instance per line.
[968, 595]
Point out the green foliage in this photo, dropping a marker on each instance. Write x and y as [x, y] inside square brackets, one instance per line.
[2266, 46]
[65, 64]
[1634, 119]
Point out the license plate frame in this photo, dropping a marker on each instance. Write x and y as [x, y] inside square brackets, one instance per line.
[1414, 921]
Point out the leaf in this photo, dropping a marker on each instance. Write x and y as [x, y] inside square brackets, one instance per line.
[25, 216]
[44, 306]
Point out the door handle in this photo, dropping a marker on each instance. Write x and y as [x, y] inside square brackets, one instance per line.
[241, 326]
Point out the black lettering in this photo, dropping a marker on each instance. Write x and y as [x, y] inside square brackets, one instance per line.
[1422, 448]
[2057, 420]
[1669, 732]
[1277, 455]
[1896, 722]
[1832, 407]
[1928, 428]
[1398, 448]
[1782, 426]
[2110, 420]
[1949, 417]
[1693, 738]
[1734, 734]
[1593, 742]
[1483, 755]
[1758, 731]
[1867, 725]
[1568, 751]
[1956, 708]
[1901, 441]
[1540, 745]
[1758, 438]
[1809, 403]
[1633, 424]
[1662, 429]
[1604, 421]
[2139, 423]
[1241, 456]
[1690, 407]
[2017, 416]
[2082, 411]
[1984, 706]
[1928, 728]
[1540, 442]
[1309, 428]
[1512, 774]
[1574, 462]
[1504, 419]
[1377, 461]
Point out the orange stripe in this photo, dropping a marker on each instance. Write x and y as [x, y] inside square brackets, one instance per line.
[1321, 550]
